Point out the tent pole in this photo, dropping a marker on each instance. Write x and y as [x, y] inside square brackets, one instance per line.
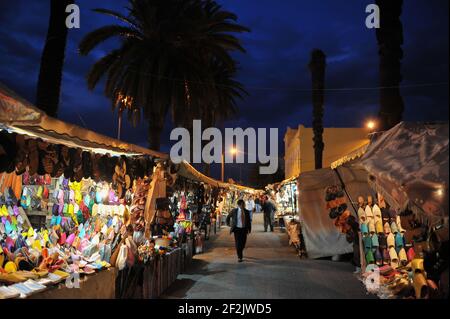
[344, 189]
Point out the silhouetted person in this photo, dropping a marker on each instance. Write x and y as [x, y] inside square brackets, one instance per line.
[269, 210]
[240, 224]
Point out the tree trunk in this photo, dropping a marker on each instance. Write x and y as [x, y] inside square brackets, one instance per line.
[52, 60]
[390, 39]
[207, 169]
[317, 68]
[155, 128]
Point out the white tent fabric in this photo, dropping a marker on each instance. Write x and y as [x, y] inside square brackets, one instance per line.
[18, 115]
[188, 171]
[409, 165]
[322, 238]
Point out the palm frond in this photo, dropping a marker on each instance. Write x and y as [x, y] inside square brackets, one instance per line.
[91, 40]
[117, 15]
[100, 68]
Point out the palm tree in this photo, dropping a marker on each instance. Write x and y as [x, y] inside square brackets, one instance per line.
[317, 67]
[390, 40]
[162, 62]
[220, 104]
[52, 59]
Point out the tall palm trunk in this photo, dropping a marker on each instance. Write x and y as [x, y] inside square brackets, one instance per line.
[155, 128]
[390, 39]
[52, 60]
[317, 68]
[209, 121]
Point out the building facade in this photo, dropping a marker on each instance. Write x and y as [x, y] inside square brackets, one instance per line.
[299, 147]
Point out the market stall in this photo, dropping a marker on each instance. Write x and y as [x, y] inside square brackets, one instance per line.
[181, 206]
[322, 234]
[285, 197]
[404, 227]
[74, 204]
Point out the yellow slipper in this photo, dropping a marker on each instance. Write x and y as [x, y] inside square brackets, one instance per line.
[4, 211]
[417, 265]
[71, 210]
[420, 286]
[40, 273]
[37, 245]
[10, 267]
[2, 258]
[39, 192]
[61, 273]
[11, 278]
[27, 274]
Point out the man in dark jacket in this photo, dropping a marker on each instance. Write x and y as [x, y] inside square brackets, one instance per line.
[240, 224]
[269, 210]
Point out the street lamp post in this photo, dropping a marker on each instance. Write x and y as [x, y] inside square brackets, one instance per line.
[222, 173]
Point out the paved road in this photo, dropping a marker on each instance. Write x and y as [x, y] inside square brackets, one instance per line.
[271, 269]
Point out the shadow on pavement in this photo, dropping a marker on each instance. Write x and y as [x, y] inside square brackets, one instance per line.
[179, 288]
[200, 267]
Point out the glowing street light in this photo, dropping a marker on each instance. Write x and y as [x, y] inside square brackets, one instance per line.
[371, 125]
[440, 192]
[233, 151]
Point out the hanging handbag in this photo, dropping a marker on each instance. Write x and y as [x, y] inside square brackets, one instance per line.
[131, 251]
[122, 257]
[115, 248]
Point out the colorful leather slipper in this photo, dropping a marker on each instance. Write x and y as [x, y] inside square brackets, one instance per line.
[361, 215]
[411, 254]
[4, 211]
[367, 243]
[11, 278]
[61, 273]
[70, 239]
[10, 267]
[364, 229]
[378, 257]
[40, 192]
[27, 274]
[402, 256]
[370, 259]
[376, 211]
[2, 258]
[375, 243]
[387, 229]
[417, 265]
[369, 213]
[391, 240]
[420, 286]
[399, 242]
[371, 227]
[394, 228]
[399, 224]
[394, 258]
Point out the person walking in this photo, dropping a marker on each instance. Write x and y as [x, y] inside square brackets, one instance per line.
[219, 210]
[257, 205]
[269, 210]
[240, 224]
[250, 206]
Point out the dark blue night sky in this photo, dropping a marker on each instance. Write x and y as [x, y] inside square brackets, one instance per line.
[274, 70]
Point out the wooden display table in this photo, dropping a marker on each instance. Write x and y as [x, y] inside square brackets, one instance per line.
[100, 285]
